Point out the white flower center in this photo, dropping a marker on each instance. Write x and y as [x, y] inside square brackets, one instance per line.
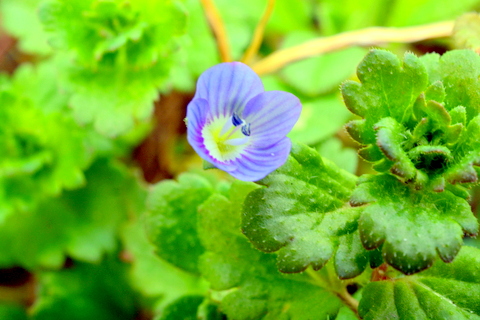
[226, 137]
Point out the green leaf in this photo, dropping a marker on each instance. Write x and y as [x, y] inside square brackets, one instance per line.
[431, 62]
[85, 291]
[172, 219]
[153, 277]
[461, 78]
[411, 226]
[99, 32]
[12, 312]
[335, 16]
[320, 119]
[122, 54]
[416, 12]
[259, 291]
[302, 207]
[43, 150]
[44, 86]
[446, 291]
[344, 157]
[183, 308]
[289, 15]
[419, 120]
[40, 85]
[466, 31]
[114, 99]
[82, 224]
[321, 74]
[388, 88]
[20, 19]
[198, 50]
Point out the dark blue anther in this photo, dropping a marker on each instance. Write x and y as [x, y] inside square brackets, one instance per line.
[246, 129]
[236, 120]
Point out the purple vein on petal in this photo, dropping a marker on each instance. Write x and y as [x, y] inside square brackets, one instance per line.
[197, 111]
[228, 86]
[272, 115]
[255, 164]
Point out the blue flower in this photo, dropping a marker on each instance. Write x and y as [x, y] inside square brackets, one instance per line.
[237, 126]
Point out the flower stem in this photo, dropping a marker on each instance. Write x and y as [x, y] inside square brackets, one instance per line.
[218, 29]
[364, 37]
[258, 34]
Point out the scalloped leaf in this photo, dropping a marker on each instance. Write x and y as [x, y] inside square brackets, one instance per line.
[122, 56]
[467, 154]
[388, 88]
[101, 31]
[85, 291]
[230, 262]
[445, 291]
[460, 70]
[183, 308]
[82, 224]
[411, 226]
[466, 31]
[304, 206]
[43, 150]
[153, 277]
[115, 99]
[171, 219]
[421, 127]
[20, 19]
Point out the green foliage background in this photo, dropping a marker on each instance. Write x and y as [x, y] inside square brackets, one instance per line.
[89, 90]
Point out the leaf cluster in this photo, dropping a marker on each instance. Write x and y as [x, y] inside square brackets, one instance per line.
[120, 54]
[244, 283]
[43, 149]
[420, 116]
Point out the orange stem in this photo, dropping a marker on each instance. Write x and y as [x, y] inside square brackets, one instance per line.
[218, 29]
[258, 34]
[364, 37]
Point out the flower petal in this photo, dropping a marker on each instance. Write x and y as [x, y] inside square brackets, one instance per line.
[228, 87]
[256, 163]
[197, 112]
[271, 115]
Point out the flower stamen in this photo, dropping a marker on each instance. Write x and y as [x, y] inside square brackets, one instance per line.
[228, 142]
[246, 129]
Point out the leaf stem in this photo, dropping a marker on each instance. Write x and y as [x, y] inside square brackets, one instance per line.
[349, 301]
[319, 280]
[364, 37]
[335, 285]
[258, 34]
[218, 29]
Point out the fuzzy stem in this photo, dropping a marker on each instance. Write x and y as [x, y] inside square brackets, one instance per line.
[364, 37]
[218, 29]
[331, 283]
[318, 280]
[349, 301]
[258, 34]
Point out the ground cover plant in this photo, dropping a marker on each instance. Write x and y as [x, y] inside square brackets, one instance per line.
[164, 159]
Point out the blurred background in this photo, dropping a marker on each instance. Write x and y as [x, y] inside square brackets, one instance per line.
[93, 94]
